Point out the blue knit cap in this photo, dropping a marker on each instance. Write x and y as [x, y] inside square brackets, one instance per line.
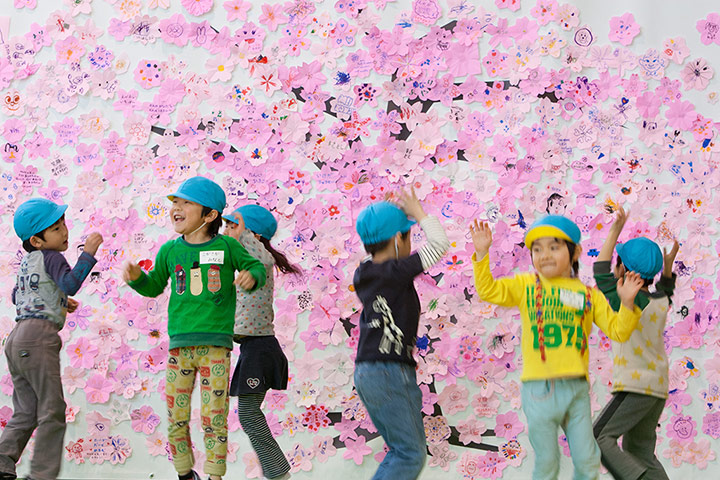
[641, 255]
[202, 191]
[555, 226]
[257, 219]
[380, 221]
[35, 215]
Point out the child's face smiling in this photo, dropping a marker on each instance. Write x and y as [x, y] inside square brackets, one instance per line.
[232, 230]
[56, 237]
[186, 216]
[551, 257]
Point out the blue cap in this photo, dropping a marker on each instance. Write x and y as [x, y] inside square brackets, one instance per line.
[257, 219]
[381, 221]
[35, 215]
[641, 255]
[555, 226]
[203, 191]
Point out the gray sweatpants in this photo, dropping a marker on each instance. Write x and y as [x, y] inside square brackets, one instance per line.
[33, 356]
[634, 417]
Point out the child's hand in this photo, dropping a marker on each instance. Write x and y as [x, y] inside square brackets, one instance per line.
[411, 205]
[240, 228]
[131, 272]
[669, 258]
[92, 243]
[628, 287]
[620, 219]
[481, 237]
[244, 280]
[72, 305]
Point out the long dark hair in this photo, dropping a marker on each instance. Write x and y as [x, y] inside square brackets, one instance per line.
[281, 260]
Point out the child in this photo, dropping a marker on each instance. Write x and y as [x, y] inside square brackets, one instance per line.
[201, 315]
[385, 367]
[262, 364]
[557, 313]
[44, 282]
[640, 376]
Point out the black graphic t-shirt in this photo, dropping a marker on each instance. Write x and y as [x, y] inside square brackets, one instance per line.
[391, 309]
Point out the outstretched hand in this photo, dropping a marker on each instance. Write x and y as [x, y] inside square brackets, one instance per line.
[669, 259]
[628, 287]
[481, 237]
[410, 204]
[72, 305]
[620, 219]
[131, 272]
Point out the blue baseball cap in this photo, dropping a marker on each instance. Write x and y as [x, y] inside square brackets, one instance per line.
[35, 215]
[641, 255]
[380, 221]
[203, 191]
[257, 219]
[555, 226]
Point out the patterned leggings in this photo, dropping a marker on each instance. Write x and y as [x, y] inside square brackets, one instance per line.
[273, 461]
[213, 365]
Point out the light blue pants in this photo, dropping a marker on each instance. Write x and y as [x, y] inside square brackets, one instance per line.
[390, 392]
[549, 404]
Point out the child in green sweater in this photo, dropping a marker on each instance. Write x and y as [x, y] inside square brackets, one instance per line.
[201, 314]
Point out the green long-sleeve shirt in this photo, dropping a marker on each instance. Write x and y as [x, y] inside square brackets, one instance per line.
[202, 301]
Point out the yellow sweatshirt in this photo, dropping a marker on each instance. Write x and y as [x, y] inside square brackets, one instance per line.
[563, 306]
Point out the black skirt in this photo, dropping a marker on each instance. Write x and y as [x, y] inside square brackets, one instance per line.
[261, 366]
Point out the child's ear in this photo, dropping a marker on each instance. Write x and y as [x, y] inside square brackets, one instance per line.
[211, 216]
[36, 242]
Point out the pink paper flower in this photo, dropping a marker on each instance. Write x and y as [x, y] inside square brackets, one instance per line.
[453, 399]
[144, 420]
[697, 74]
[156, 444]
[175, 30]
[272, 16]
[356, 450]
[471, 430]
[237, 9]
[709, 29]
[98, 389]
[436, 429]
[681, 428]
[197, 7]
[82, 353]
[681, 115]
[508, 425]
[623, 29]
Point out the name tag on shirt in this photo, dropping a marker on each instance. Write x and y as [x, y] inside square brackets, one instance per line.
[213, 256]
[572, 299]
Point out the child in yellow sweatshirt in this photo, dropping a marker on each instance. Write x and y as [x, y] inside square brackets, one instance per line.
[557, 312]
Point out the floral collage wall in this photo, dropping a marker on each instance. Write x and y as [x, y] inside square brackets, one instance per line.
[501, 110]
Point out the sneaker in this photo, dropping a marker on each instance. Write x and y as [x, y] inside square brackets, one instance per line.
[7, 476]
[195, 476]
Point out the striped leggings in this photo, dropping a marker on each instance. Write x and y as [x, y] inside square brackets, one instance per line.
[272, 460]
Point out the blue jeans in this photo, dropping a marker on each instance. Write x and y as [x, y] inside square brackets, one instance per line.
[393, 399]
[549, 404]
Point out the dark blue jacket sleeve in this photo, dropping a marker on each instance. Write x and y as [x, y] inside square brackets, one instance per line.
[67, 279]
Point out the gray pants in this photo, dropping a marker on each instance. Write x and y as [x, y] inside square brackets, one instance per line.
[33, 356]
[272, 460]
[634, 417]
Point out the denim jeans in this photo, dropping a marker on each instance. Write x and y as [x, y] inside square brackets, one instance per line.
[565, 402]
[393, 399]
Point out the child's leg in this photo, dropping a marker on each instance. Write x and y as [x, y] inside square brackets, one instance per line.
[179, 383]
[214, 367]
[641, 440]
[393, 400]
[544, 414]
[578, 428]
[253, 421]
[34, 356]
[21, 425]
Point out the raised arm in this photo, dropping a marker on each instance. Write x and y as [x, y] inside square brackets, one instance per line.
[437, 241]
[616, 228]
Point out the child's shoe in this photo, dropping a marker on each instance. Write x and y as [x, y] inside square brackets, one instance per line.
[193, 473]
[7, 476]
